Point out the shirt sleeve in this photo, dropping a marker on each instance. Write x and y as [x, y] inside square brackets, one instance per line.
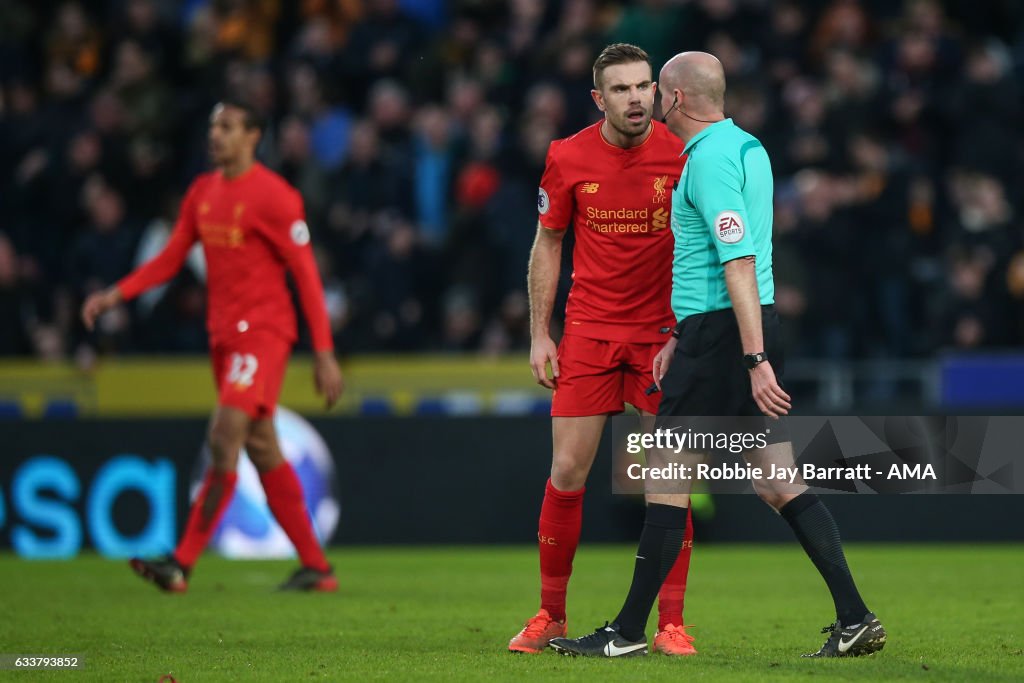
[168, 262]
[555, 197]
[717, 193]
[287, 232]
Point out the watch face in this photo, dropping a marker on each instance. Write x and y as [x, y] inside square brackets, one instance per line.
[753, 359]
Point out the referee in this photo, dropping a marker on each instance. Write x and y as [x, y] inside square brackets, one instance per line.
[720, 361]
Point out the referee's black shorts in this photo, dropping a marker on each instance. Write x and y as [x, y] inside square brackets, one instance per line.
[707, 376]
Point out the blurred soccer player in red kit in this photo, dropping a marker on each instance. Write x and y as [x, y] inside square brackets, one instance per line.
[252, 226]
[612, 182]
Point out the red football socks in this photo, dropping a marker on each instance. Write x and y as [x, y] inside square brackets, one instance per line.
[284, 496]
[670, 598]
[561, 517]
[206, 511]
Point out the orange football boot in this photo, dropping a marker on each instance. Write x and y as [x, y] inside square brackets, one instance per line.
[674, 640]
[537, 633]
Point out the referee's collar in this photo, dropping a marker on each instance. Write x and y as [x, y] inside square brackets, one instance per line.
[717, 125]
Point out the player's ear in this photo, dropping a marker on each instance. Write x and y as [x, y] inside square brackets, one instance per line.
[676, 99]
[598, 98]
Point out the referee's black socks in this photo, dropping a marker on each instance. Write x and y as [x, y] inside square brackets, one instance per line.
[660, 543]
[818, 534]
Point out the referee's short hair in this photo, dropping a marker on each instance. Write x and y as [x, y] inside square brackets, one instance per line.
[617, 53]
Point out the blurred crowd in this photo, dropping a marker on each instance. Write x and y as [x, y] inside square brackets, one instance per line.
[416, 131]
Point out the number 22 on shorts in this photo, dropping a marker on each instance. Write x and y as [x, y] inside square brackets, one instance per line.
[243, 369]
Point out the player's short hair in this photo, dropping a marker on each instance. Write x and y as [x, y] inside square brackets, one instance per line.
[617, 53]
[253, 119]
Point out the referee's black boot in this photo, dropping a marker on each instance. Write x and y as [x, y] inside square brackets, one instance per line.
[604, 642]
[865, 638]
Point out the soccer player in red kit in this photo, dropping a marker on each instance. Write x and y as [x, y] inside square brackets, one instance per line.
[252, 227]
[612, 182]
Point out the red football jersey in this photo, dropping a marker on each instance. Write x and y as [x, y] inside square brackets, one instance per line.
[619, 202]
[253, 230]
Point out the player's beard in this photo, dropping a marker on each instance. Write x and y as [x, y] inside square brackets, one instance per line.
[223, 155]
[628, 128]
[216, 154]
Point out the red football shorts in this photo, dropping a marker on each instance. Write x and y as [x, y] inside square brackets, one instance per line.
[248, 372]
[598, 377]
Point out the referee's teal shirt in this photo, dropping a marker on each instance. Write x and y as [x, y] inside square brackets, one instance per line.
[721, 210]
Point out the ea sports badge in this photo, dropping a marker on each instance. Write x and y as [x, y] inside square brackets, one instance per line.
[729, 227]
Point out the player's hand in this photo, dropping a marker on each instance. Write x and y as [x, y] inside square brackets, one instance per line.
[770, 398]
[542, 352]
[98, 303]
[663, 360]
[327, 377]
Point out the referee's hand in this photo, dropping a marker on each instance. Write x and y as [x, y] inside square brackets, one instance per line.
[770, 398]
[542, 352]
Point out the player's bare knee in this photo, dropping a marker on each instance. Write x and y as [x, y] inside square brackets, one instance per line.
[568, 474]
[225, 444]
[223, 457]
[256, 444]
[263, 452]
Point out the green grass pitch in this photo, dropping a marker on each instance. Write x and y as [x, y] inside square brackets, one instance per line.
[954, 613]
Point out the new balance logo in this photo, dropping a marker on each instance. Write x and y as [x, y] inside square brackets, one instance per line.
[590, 188]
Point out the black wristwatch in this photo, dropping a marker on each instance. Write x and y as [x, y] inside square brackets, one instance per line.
[752, 360]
